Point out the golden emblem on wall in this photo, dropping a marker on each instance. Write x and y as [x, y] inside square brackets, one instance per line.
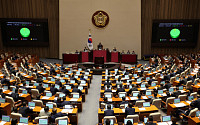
[100, 19]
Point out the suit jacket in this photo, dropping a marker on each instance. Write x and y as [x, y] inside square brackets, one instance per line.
[120, 90]
[166, 77]
[197, 103]
[183, 82]
[130, 111]
[168, 85]
[77, 90]
[53, 90]
[190, 78]
[15, 96]
[109, 112]
[108, 90]
[65, 103]
[65, 91]
[188, 111]
[2, 95]
[58, 83]
[53, 117]
[24, 111]
[40, 89]
[132, 89]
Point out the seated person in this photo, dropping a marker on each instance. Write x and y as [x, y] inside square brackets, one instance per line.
[45, 112]
[40, 88]
[128, 52]
[56, 115]
[58, 82]
[100, 46]
[120, 89]
[15, 95]
[154, 97]
[53, 89]
[150, 121]
[52, 71]
[122, 52]
[130, 110]
[58, 102]
[25, 110]
[114, 49]
[82, 78]
[123, 101]
[109, 111]
[107, 82]
[5, 81]
[85, 49]
[108, 89]
[134, 88]
[64, 102]
[133, 52]
[75, 89]
[64, 90]
[2, 94]
[76, 52]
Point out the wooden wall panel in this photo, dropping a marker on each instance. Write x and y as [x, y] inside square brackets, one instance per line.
[166, 9]
[48, 9]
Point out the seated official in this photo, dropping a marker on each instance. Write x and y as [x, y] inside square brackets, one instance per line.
[128, 52]
[100, 46]
[150, 121]
[64, 102]
[5, 81]
[123, 101]
[168, 85]
[58, 102]
[2, 94]
[154, 97]
[15, 95]
[105, 100]
[134, 88]
[130, 110]
[107, 82]
[120, 89]
[122, 52]
[178, 113]
[109, 111]
[76, 52]
[75, 89]
[114, 49]
[39, 79]
[64, 90]
[52, 71]
[58, 82]
[56, 115]
[82, 78]
[25, 110]
[53, 89]
[108, 89]
[45, 112]
[85, 49]
[40, 88]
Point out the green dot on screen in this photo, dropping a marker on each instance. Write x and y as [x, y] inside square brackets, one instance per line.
[175, 33]
[25, 32]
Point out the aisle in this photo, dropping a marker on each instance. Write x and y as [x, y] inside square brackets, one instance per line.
[89, 115]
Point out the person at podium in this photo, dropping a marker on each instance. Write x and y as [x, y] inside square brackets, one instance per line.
[114, 49]
[100, 46]
[128, 52]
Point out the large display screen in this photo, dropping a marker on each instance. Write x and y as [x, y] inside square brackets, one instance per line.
[175, 33]
[25, 32]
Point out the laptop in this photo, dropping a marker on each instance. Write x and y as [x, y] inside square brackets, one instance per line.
[122, 95]
[5, 118]
[80, 87]
[83, 82]
[153, 84]
[2, 100]
[36, 84]
[126, 120]
[197, 113]
[48, 94]
[23, 120]
[58, 75]
[62, 122]
[27, 83]
[76, 77]
[68, 87]
[31, 104]
[160, 91]
[5, 87]
[135, 94]
[148, 93]
[147, 78]
[86, 77]
[13, 90]
[79, 69]
[138, 80]
[166, 118]
[24, 91]
[86, 73]
[43, 121]
[134, 75]
[67, 76]
[163, 82]
[61, 95]
[146, 104]
[176, 101]
[111, 121]
[177, 78]
[76, 96]
[180, 88]
[50, 105]
[190, 98]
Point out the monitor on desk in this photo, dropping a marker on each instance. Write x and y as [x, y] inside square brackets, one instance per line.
[45, 85]
[108, 95]
[43, 121]
[23, 120]
[36, 84]
[176, 101]
[5, 118]
[83, 82]
[31, 104]
[106, 106]
[134, 75]
[72, 81]
[163, 82]
[197, 113]
[138, 80]
[171, 89]
[62, 122]
[62, 81]
[145, 120]
[57, 86]
[49, 94]
[87, 73]
[2, 100]
[126, 120]
[44, 78]
[166, 118]
[147, 78]
[135, 94]
[143, 85]
[148, 93]
[50, 105]
[153, 84]
[80, 87]
[122, 95]
[180, 88]
[190, 98]
[61, 95]
[67, 76]
[24, 91]
[52, 79]
[68, 87]
[76, 96]
[160, 91]
[76, 77]
[68, 107]
[58, 75]
[5, 87]
[146, 104]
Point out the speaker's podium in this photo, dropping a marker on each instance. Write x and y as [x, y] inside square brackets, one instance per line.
[99, 61]
[100, 53]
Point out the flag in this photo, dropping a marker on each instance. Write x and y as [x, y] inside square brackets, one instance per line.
[90, 44]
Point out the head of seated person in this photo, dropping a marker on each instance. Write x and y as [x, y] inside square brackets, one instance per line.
[123, 98]
[14, 121]
[46, 109]
[24, 104]
[139, 96]
[105, 99]
[129, 122]
[155, 94]
[109, 107]
[130, 105]
[37, 97]
[58, 99]
[150, 119]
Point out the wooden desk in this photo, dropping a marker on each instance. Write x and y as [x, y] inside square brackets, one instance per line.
[24, 96]
[6, 107]
[171, 107]
[193, 121]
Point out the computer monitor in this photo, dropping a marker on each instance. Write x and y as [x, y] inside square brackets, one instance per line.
[80, 87]
[180, 88]
[68, 107]
[57, 86]
[160, 91]
[50, 105]
[171, 89]
[146, 104]
[145, 120]
[44, 78]
[62, 81]
[135, 94]
[138, 80]
[78, 73]
[190, 98]
[27, 82]
[126, 76]
[72, 81]
[5, 87]
[195, 82]
[147, 78]
[176, 101]
[108, 95]
[23, 120]
[126, 120]
[143, 86]
[13, 90]
[86, 77]
[2, 100]
[45, 85]
[153, 84]
[58, 75]
[134, 75]
[43, 121]
[197, 113]
[87, 73]
[68, 87]
[163, 82]
[122, 95]
[62, 122]
[52, 79]
[79, 69]
[36, 84]
[177, 78]
[148, 93]
[83, 82]
[111, 121]
[67, 76]
[166, 118]
[76, 96]
[48, 94]
[5, 118]
[31, 104]
[24, 91]
[61, 95]
[76, 77]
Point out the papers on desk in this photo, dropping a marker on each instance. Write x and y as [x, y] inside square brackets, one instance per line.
[73, 99]
[55, 98]
[9, 93]
[164, 94]
[164, 123]
[29, 86]
[110, 99]
[179, 105]
[133, 98]
[45, 97]
[138, 83]
[113, 90]
[4, 90]
[22, 124]
[2, 122]
[83, 84]
[188, 102]
[123, 110]
[143, 88]
[144, 97]
[67, 110]
[140, 124]
[21, 94]
[141, 109]
[182, 91]
[127, 98]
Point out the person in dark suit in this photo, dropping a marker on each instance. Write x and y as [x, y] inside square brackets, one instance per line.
[24, 110]
[5, 81]
[15, 95]
[167, 85]
[150, 121]
[52, 71]
[64, 102]
[39, 79]
[40, 88]
[161, 87]
[56, 115]
[151, 80]
[108, 89]
[58, 82]
[53, 89]
[82, 78]
[172, 74]
[107, 82]
[130, 110]
[166, 77]
[134, 88]
[2, 94]
[123, 101]
[155, 97]
[120, 89]
[197, 103]
[58, 102]
[183, 81]
[75, 89]
[100, 46]
[190, 78]
[109, 111]
[65, 91]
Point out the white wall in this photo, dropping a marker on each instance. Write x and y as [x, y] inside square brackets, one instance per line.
[123, 30]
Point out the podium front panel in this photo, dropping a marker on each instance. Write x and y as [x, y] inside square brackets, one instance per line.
[100, 53]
